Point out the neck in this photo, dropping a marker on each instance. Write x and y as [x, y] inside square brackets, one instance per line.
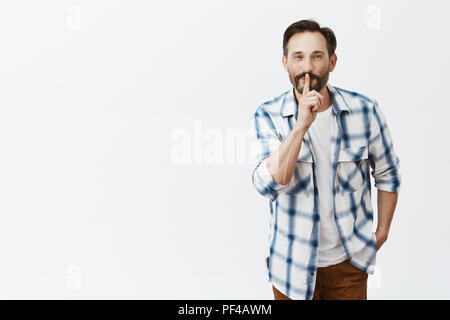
[324, 92]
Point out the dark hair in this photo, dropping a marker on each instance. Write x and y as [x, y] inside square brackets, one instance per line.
[310, 26]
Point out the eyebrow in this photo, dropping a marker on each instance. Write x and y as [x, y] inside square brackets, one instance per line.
[314, 52]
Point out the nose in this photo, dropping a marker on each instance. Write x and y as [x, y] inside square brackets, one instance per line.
[307, 66]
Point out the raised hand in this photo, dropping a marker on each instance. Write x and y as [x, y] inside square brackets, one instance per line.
[310, 102]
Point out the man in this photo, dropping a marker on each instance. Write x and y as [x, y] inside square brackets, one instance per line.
[316, 145]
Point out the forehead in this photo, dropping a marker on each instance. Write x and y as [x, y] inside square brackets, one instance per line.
[307, 42]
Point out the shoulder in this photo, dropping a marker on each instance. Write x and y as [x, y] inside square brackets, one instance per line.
[272, 107]
[357, 101]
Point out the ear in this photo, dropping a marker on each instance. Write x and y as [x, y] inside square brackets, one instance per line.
[333, 61]
[284, 61]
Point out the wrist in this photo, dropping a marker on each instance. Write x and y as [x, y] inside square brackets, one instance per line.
[382, 233]
[380, 229]
[299, 130]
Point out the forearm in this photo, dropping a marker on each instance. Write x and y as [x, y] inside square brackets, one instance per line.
[386, 202]
[281, 163]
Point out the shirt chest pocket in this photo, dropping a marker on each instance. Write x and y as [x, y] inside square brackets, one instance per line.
[302, 179]
[349, 171]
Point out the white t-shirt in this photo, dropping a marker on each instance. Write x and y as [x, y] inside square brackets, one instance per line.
[331, 249]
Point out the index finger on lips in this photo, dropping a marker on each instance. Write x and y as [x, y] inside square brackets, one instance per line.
[306, 86]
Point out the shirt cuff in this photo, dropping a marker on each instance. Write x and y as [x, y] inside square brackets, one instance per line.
[388, 186]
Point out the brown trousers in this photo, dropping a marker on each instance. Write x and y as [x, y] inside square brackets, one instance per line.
[342, 281]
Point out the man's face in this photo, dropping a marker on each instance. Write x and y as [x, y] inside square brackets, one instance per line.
[307, 53]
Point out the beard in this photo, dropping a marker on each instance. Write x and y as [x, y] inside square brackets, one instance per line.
[321, 81]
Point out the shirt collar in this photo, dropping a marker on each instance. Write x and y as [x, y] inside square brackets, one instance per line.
[290, 105]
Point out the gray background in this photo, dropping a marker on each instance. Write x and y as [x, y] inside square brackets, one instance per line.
[96, 97]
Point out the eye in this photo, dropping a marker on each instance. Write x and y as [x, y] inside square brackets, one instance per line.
[318, 56]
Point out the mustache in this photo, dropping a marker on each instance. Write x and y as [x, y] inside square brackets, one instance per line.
[311, 76]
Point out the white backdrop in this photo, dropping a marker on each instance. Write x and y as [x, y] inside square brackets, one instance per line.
[124, 151]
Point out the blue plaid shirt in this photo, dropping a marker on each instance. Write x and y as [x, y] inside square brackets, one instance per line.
[360, 139]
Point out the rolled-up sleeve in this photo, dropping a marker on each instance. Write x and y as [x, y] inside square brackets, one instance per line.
[266, 141]
[382, 158]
